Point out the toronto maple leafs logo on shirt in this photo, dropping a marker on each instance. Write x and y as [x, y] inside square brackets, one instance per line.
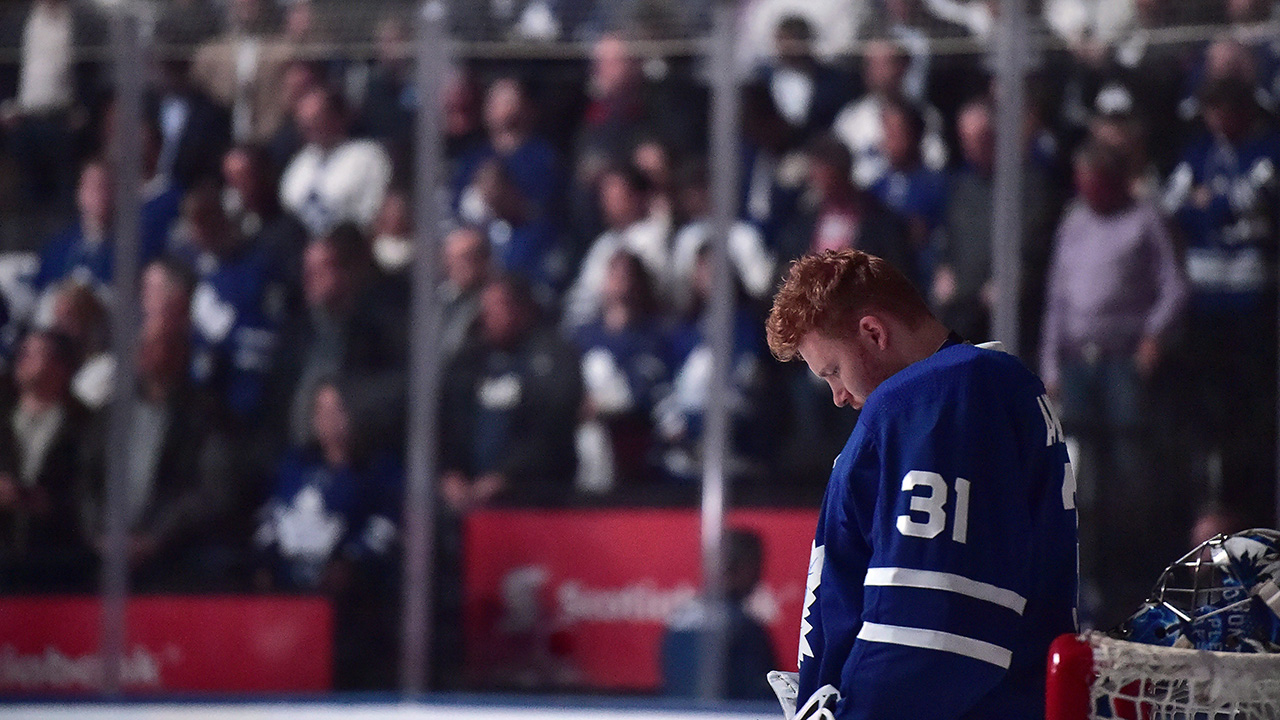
[816, 558]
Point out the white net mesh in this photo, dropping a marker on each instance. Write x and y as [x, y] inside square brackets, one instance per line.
[1146, 682]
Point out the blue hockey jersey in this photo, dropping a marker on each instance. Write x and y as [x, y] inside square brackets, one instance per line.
[944, 561]
[1224, 198]
[235, 314]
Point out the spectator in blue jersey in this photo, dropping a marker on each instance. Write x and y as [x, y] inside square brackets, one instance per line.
[350, 329]
[530, 161]
[83, 250]
[521, 235]
[945, 552]
[624, 366]
[236, 309]
[509, 407]
[179, 479]
[330, 526]
[679, 415]
[161, 197]
[1116, 289]
[914, 190]
[249, 198]
[332, 505]
[749, 655]
[1223, 196]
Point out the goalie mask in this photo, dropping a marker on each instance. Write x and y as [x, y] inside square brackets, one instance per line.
[1224, 595]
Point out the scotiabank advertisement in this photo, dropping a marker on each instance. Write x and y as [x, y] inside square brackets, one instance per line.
[49, 645]
[581, 598]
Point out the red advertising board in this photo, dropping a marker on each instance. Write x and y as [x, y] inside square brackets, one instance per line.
[175, 644]
[582, 597]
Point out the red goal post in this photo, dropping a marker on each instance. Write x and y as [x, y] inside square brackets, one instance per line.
[1095, 676]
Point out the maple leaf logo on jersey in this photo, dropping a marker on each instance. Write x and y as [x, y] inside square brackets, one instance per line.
[817, 555]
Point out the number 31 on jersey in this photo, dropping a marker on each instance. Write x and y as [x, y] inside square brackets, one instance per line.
[928, 514]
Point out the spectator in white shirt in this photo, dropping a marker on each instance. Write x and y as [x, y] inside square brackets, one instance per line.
[39, 119]
[334, 178]
[623, 193]
[751, 260]
[860, 125]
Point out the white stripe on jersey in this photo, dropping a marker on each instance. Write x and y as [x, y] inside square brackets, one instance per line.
[936, 640]
[930, 580]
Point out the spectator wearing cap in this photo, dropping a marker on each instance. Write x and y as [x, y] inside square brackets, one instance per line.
[1115, 290]
[1145, 78]
[41, 444]
[1223, 198]
[509, 407]
[1125, 134]
[334, 178]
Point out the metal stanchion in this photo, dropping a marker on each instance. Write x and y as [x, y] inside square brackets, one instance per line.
[1011, 48]
[425, 361]
[725, 130]
[127, 47]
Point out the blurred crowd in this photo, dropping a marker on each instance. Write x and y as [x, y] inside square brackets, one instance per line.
[265, 447]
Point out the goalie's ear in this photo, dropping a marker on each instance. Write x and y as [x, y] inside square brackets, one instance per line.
[872, 329]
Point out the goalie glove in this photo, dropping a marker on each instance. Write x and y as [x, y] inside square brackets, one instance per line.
[821, 706]
[786, 685]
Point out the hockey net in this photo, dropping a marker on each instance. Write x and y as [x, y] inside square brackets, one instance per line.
[1094, 676]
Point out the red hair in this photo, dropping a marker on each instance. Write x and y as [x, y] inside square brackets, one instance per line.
[829, 292]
